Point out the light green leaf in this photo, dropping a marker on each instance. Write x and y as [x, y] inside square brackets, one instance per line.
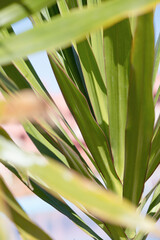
[18, 216]
[68, 58]
[88, 20]
[14, 110]
[76, 163]
[97, 43]
[63, 8]
[22, 73]
[94, 84]
[3, 234]
[153, 210]
[117, 46]
[30, 77]
[155, 203]
[23, 106]
[43, 144]
[133, 21]
[89, 128]
[12, 11]
[59, 204]
[140, 120]
[146, 198]
[55, 201]
[97, 200]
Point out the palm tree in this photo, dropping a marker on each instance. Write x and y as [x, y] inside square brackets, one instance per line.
[102, 55]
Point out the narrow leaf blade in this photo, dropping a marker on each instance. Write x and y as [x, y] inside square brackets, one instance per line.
[140, 120]
[89, 128]
[94, 83]
[12, 11]
[97, 200]
[88, 20]
[19, 217]
[117, 46]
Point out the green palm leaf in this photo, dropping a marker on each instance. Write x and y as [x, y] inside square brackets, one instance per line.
[117, 46]
[12, 11]
[20, 218]
[89, 128]
[97, 200]
[140, 120]
[43, 37]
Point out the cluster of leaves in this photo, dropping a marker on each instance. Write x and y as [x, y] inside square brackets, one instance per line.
[102, 54]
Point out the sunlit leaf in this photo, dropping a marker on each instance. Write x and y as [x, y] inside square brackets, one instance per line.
[140, 119]
[89, 128]
[117, 46]
[18, 216]
[44, 37]
[95, 199]
[12, 11]
[94, 83]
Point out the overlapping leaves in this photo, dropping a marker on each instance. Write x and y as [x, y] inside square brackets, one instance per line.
[104, 89]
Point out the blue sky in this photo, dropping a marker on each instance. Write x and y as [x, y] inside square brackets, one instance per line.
[157, 22]
[40, 61]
